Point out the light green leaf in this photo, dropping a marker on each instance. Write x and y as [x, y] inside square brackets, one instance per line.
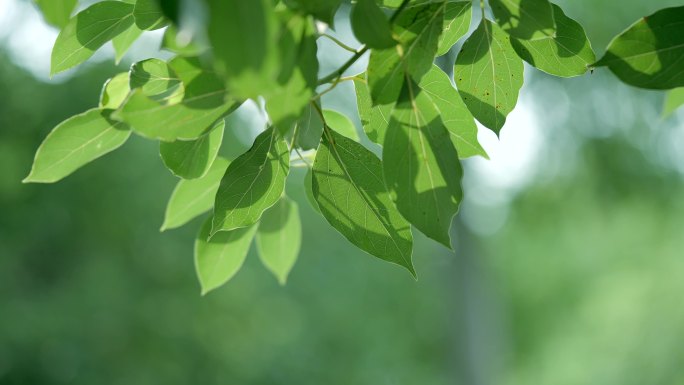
[438, 91]
[457, 17]
[308, 189]
[217, 260]
[567, 53]
[253, 182]
[348, 186]
[76, 142]
[421, 166]
[279, 238]
[417, 29]
[157, 80]
[341, 123]
[124, 41]
[148, 15]
[489, 75]
[310, 129]
[673, 100]
[649, 53]
[171, 42]
[193, 197]
[374, 119]
[88, 31]
[192, 159]
[114, 91]
[323, 10]
[524, 19]
[370, 25]
[57, 12]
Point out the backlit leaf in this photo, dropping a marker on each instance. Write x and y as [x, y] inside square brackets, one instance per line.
[57, 12]
[310, 129]
[308, 189]
[341, 123]
[157, 80]
[114, 91]
[124, 40]
[148, 15]
[457, 17]
[673, 100]
[192, 159]
[374, 119]
[279, 237]
[370, 25]
[524, 19]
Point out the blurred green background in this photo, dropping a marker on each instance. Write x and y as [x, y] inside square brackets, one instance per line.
[568, 266]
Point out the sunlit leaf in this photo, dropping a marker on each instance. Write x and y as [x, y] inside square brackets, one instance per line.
[76, 142]
[192, 159]
[457, 17]
[279, 237]
[673, 100]
[57, 12]
[370, 25]
[218, 259]
[114, 91]
[489, 75]
[157, 80]
[351, 194]
[374, 119]
[124, 40]
[341, 123]
[524, 19]
[172, 42]
[253, 182]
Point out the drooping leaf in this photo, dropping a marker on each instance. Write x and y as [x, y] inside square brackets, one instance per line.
[351, 194]
[524, 19]
[86, 32]
[457, 15]
[673, 100]
[417, 29]
[253, 182]
[310, 129]
[57, 12]
[566, 53]
[76, 142]
[323, 10]
[489, 75]
[218, 259]
[374, 119]
[308, 190]
[148, 15]
[193, 197]
[172, 42]
[370, 25]
[443, 97]
[157, 80]
[649, 53]
[192, 159]
[279, 237]
[124, 40]
[341, 123]
[421, 166]
[114, 91]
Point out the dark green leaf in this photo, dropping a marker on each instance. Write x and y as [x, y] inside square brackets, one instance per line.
[457, 17]
[148, 15]
[308, 189]
[524, 19]
[57, 12]
[370, 25]
[279, 238]
[192, 159]
[323, 10]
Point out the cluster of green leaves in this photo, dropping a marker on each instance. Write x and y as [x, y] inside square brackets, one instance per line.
[266, 50]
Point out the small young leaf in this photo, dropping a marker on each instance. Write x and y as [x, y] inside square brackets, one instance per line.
[279, 238]
[457, 17]
[342, 124]
[193, 197]
[218, 259]
[88, 31]
[57, 12]
[124, 40]
[567, 53]
[148, 15]
[673, 100]
[76, 142]
[192, 159]
[524, 19]
[489, 75]
[310, 129]
[370, 25]
[157, 80]
[421, 166]
[374, 119]
[114, 91]
[348, 186]
[253, 182]
[649, 53]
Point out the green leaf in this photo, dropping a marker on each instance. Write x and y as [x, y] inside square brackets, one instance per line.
[649, 53]
[524, 19]
[172, 43]
[323, 10]
[310, 129]
[217, 260]
[567, 53]
[157, 80]
[488, 75]
[370, 25]
[148, 15]
[457, 17]
[192, 159]
[57, 12]
[114, 91]
[124, 41]
[417, 29]
[342, 124]
[279, 238]
[76, 142]
[193, 197]
[88, 31]
[374, 119]
[421, 166]
[308, 189]
[253, 182]
[438, 91]
[673, 100]
[348, 186]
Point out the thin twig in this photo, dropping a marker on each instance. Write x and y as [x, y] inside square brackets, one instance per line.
[339, 43]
